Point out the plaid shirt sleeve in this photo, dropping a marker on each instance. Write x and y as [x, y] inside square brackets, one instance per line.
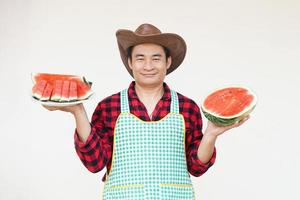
[95, 152]
[194, 135]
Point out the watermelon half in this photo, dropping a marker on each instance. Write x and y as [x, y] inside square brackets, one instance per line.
[228, 105]
[60, 87]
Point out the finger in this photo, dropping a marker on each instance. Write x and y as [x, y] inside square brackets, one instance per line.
[46, 107]
[243, 120]
[50, 108]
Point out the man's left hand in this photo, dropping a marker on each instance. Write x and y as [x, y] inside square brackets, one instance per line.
[214, 130]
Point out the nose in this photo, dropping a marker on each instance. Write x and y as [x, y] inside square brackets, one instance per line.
[148, 65]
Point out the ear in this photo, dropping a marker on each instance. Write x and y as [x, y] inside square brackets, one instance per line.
[129, 63]
[169, 61]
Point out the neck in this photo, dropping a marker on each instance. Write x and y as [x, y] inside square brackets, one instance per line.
[150, 92]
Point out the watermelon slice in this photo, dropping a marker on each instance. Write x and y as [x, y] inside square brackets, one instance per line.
[83, 90]
[73, 91]
[228, 105]
[65, 91]
[47, 92]
[60, 87]
[56, 95]
[38, 89]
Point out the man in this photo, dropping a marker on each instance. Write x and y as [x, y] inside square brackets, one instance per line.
[148, 136]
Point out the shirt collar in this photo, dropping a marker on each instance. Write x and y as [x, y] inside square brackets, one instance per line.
[132, 94]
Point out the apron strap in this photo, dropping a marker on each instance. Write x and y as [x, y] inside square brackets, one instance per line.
[174, 102]
[125, 104]
[124, 101]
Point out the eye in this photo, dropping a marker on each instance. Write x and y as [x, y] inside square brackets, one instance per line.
[156, 59]
[140, 59]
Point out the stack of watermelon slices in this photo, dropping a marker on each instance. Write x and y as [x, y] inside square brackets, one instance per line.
[60, 88]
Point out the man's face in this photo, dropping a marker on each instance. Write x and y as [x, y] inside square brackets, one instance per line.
[149, 64]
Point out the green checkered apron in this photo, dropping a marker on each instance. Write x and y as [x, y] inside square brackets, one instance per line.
[149, 160]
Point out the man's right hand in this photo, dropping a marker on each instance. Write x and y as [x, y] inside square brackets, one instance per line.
[71, 109]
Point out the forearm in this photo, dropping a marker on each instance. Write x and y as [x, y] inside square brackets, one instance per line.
[83, 126]
[93, 150]
[206, 148]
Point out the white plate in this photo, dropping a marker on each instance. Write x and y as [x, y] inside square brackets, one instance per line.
[61, 104]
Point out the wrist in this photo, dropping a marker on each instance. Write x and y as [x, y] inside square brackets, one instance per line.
[209, 136]
[78, 110]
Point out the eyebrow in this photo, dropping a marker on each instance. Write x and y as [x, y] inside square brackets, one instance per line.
[157, 55]
[154, 55]
[139, 55]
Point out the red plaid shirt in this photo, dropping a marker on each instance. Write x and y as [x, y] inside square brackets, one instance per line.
[96, 153]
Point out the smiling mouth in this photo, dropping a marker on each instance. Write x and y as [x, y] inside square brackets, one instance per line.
[148, 74]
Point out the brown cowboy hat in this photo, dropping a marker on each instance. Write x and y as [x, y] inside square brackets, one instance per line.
[147, 33]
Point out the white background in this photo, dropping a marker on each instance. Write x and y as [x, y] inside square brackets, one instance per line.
[255, 43]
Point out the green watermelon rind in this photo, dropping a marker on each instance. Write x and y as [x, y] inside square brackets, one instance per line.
[219, 121]
[59, 104]
[62, 101]
[78, 99]
[87, 82]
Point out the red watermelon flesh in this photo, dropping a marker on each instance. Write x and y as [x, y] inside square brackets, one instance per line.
[73, 91]
[47, 92]
[83, 90]
[227, 102]
[38, 89]
[52, 77]
[65, 91]
[228, 105]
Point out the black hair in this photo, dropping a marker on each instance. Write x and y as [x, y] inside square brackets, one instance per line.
[129, 52]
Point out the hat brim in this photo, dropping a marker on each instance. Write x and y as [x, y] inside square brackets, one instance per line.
[173, 42]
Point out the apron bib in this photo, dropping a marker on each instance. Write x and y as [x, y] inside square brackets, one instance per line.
[148, 159]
